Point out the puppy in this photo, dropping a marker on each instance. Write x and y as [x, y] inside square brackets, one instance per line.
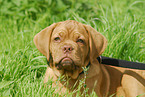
[70, 46]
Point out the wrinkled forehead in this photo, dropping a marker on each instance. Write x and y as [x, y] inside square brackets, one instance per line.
[71, 27]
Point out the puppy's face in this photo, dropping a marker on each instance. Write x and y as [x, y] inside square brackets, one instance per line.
[69, 48]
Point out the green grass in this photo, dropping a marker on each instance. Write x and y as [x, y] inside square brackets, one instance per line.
[22, 67]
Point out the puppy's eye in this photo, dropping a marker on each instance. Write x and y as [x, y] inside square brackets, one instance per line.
[57, 38]
[80, 41]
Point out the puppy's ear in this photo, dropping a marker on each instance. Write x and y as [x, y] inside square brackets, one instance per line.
[97, 42]
[42, 40]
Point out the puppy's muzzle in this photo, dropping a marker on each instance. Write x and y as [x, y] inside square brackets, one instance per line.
[66, 64]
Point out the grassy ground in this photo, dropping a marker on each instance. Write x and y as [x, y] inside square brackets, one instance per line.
[22, 67]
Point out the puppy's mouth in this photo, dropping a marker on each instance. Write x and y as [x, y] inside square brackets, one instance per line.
[66, 64]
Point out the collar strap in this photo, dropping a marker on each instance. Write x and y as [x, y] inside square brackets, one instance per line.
[98, 58]
[86, 67]
[118, 63]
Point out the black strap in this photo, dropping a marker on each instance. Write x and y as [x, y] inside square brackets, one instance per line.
[121, 63]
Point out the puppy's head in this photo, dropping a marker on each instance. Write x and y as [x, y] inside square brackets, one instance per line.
[69, 46]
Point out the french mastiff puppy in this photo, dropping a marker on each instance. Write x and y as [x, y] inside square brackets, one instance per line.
[70, 46]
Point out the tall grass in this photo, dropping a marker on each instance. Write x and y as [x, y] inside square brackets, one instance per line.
[22, 67]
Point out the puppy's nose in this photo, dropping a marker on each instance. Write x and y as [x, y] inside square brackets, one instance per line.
[67, 48]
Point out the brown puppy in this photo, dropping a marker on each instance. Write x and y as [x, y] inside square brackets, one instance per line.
[69, 46]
